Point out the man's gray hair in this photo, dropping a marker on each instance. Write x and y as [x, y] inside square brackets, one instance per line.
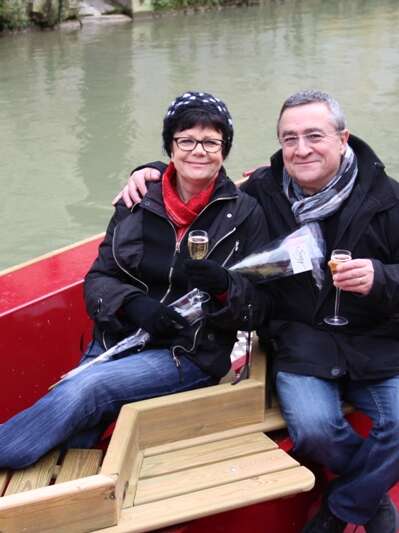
[311, 96]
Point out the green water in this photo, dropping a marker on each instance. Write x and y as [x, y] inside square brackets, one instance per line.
[79, 109]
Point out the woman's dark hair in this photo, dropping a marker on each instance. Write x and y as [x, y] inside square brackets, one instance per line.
[197, 109]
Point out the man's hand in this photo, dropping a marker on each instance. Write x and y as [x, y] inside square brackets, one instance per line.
[356, 275]
[135, 189]
[250, 171]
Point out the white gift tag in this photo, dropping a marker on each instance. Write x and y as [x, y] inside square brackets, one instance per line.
[298, 250]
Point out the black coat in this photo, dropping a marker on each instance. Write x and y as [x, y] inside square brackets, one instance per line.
[139, 254]
[368, 225]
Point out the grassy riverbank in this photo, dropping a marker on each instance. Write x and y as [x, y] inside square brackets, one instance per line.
[20, 14]
[16, 15]
[167, 5]
[13, 15]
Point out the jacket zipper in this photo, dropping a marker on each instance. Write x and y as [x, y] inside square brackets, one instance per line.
[214, 201]
[104, 343]
[98, 310]
[233, 251]
[176, 252]
[123, 269]
[146, 288]
[176, 357]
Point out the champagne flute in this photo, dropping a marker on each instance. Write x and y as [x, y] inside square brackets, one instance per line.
[198, 242]
[337, 256]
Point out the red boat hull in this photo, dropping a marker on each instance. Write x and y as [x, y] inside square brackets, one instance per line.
[44, 329]
[43, 324]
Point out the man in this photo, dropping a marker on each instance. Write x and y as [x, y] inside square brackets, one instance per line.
[333, 181]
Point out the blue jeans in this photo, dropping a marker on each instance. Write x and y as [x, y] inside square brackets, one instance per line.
[75, 413]
[366, 467]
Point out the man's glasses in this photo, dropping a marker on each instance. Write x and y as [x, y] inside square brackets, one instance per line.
[310, 139]
[209, 145]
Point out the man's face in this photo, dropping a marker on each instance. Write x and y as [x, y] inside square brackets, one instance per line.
[312, 148]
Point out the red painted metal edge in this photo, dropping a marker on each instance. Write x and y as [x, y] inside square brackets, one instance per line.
[29, 283]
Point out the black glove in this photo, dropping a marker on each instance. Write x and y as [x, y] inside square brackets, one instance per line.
[207, 275]
[159, 320]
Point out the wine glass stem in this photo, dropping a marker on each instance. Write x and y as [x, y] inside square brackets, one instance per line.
[337, 298]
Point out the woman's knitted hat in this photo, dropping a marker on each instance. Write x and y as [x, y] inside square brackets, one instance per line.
[202, 101]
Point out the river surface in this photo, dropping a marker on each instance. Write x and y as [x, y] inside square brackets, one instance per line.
[79, 109]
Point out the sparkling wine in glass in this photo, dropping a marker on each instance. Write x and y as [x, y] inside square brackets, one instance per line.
[198, 244]
[337, 256]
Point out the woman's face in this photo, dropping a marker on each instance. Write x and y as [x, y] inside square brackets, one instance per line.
[197, 164]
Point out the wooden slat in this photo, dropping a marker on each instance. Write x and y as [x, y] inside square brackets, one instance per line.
[79, 463]
[258, 362]
[194, 479]
[37, 475]
[133, 481]
[200, 412]
[3, 480]
[179, 509]
[124, 458]
[272, 421]
[203, 454]
[74, 506]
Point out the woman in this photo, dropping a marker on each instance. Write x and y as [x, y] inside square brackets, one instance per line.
[142, 266]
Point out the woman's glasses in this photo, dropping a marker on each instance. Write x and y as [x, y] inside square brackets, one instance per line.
[187, 144]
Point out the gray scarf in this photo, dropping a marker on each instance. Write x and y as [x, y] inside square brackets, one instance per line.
[311, 209]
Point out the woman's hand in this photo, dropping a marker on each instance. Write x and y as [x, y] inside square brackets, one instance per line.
[356, 275]
[207, 275]
[135, 189]
[159, 320]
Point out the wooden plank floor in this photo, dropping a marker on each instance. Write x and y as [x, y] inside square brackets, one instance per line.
[218, 473]
[3, 481]
[206, 477]
[74, 465]
[203, 454]
[208, 465]
[78, 464]
[35, 476]
[178, 509]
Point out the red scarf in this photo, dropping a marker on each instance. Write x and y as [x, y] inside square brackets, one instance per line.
[180, 213]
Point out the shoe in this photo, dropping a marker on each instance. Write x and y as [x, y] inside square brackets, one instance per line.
[325, 522]
[386, 518]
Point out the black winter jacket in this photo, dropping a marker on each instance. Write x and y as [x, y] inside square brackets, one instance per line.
[139, 254]
[368, 225]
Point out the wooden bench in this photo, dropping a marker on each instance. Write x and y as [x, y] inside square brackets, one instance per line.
[51, 469]
[170, 459]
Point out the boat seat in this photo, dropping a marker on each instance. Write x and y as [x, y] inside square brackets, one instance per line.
[201, 476]
[170, 459]
[199, 453]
